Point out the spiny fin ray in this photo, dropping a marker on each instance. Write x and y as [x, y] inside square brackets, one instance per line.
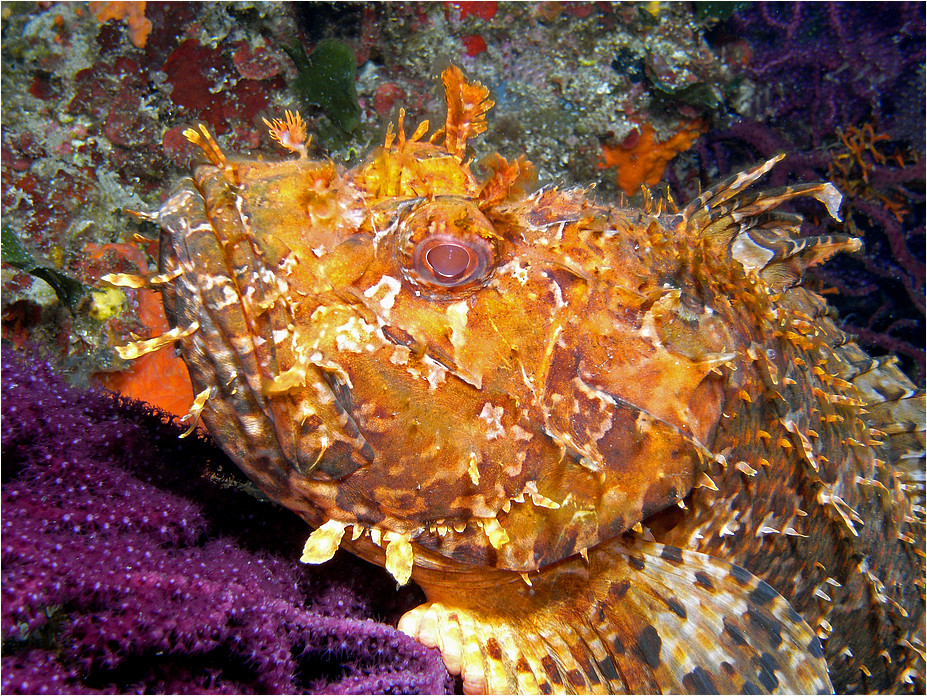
[140, 348]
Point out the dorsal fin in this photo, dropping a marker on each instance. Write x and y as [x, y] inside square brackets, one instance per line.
[786, 257]
[765, 241]
[728, 188]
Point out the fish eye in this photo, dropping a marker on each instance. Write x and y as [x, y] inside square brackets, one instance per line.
[446, 247]
[450, 261]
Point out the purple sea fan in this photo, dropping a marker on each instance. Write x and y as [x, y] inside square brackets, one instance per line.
[821, 66]
[125, 570]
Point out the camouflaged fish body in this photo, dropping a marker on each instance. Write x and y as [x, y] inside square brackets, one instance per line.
[621, 450]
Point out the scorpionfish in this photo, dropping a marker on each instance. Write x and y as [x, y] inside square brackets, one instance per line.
[621, 450]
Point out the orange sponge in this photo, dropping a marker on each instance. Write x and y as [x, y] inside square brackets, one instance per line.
[160, 378]
[132, 12]
[640, 160]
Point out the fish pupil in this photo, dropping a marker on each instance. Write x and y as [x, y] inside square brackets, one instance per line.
[448, 261]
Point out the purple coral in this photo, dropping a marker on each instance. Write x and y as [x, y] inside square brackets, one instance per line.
[125, 570]
[823, 66]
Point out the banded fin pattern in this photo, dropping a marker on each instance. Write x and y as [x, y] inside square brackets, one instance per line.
[746, 227]
[638, 617]
[896, 409]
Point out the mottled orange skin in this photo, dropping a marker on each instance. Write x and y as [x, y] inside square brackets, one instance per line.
[593, 369]
[504, 345]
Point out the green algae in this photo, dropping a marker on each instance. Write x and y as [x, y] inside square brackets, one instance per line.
[327, 80]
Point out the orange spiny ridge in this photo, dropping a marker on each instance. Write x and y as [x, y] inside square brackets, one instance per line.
[467, 104]
[401, 132]
[204, 140]
[507, 178]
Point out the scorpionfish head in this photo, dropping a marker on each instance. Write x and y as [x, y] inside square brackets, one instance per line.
[439, 360]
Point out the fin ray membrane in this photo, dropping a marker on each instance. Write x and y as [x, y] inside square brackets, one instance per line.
[764, 240]
[640, 618]
[897, 409]
[895, 406]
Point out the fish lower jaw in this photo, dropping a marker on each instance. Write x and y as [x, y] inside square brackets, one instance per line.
[400, 552]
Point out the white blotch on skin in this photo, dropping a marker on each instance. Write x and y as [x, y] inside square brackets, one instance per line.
[457, 319]
[493, 417]
[392, 287]
[400, 355]
[354, 335]
[436, 373]
[517, 271]
[280, 335]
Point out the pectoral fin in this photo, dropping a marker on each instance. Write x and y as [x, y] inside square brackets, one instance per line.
[639, 617]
